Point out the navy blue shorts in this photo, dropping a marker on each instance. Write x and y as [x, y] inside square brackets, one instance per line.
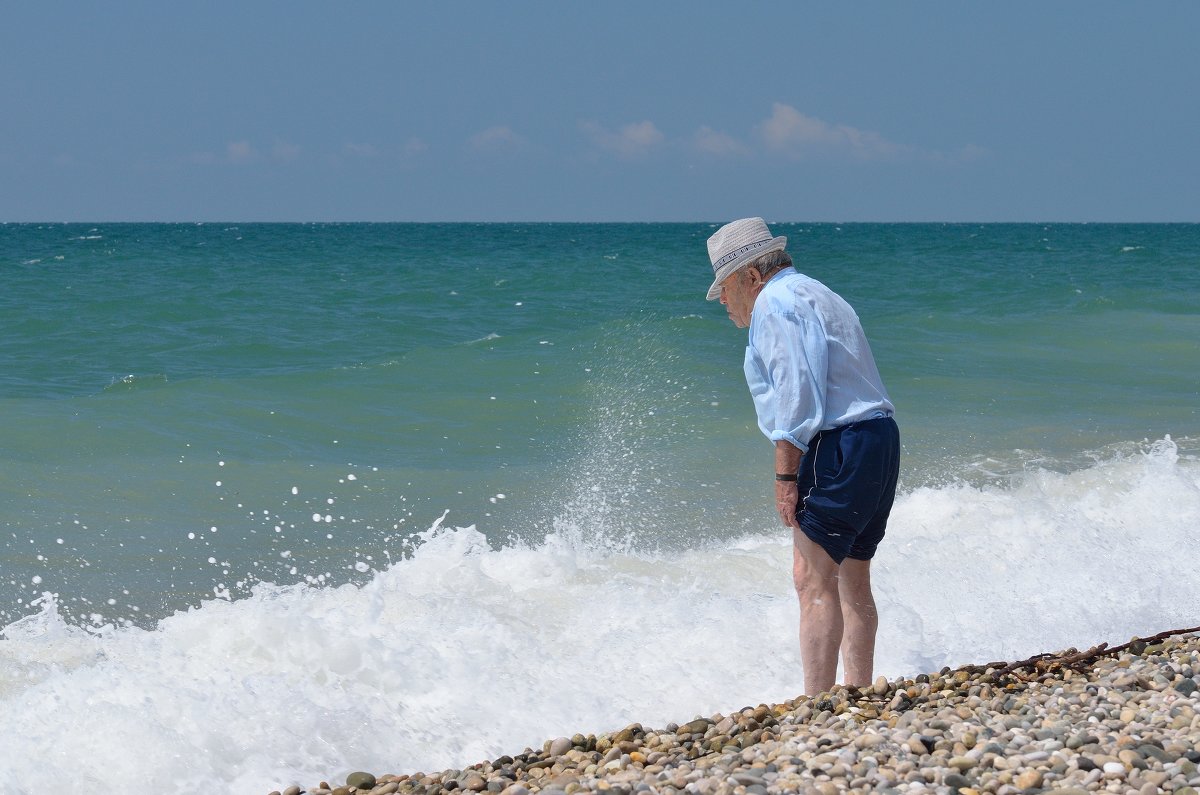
[847, 483]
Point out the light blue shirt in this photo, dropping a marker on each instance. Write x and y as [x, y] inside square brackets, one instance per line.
[808, 364]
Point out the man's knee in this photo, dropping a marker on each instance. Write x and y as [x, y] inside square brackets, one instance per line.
[858, 603]
[815, 588]
[814, 572]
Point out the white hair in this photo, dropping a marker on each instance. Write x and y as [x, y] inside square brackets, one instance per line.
[771, 261]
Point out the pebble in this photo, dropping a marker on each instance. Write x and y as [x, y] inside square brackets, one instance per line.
[956, 781]
[360, 780]
[1127, 722]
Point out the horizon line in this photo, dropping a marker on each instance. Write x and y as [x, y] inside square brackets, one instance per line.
[313, 222]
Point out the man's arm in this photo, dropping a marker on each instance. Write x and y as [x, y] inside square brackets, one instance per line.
[786, 369]
[787, 462]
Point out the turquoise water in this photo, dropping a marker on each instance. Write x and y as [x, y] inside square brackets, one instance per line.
[142, 364]
[398, 444]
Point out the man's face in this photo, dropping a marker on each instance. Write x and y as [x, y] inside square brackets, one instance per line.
[737, 294]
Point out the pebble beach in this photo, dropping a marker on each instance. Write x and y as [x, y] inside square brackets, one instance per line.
[1121, 719]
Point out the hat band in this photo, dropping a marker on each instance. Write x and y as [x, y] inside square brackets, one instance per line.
[738, 252]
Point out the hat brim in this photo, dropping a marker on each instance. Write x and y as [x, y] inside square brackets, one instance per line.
[729, 268]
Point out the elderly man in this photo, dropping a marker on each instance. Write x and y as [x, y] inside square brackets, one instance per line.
[819, 398]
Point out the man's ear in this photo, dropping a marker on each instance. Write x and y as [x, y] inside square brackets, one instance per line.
[756, 277]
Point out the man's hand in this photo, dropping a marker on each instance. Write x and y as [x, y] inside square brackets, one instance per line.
[787, 462]
[786, 498]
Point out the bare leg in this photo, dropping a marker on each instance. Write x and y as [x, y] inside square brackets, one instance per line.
[860, 620]
[815, 575]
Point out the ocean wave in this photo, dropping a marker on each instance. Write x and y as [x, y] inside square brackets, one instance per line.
[131, 382]
[463, 649]
[1004, 468]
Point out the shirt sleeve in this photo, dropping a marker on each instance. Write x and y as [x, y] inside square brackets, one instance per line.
[786, 366]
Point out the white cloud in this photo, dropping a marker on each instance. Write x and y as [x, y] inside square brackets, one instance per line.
[710, 142]
[629, 141]
[236, 152]
[791, 132]
[239, 152]
[414, 146]
[496, 138]
[284, 150]
[360, 150]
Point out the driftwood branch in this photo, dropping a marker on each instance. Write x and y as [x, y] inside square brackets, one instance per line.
[1046, 663]
[1038, 666]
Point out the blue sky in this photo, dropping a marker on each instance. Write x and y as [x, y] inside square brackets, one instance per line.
[602, 111]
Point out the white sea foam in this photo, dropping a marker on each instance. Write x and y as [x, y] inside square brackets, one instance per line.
[464, 651]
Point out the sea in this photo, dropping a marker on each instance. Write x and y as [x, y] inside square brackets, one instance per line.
[283, 501]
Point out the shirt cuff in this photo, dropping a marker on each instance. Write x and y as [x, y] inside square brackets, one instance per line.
[784, 436]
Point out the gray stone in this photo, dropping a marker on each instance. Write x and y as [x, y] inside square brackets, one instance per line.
[1079, 740]
[956, 781]
[748, 779]
[360, 780]
[1154, 752]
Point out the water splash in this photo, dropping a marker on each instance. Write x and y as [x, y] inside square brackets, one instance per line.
[464, 650]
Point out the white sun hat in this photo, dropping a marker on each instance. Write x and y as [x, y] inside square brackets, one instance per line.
[737, 243]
